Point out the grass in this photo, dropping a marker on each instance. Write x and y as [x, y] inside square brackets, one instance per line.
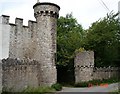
[115, 92]
[38, 90]
[41, 90]
[103, 82]
[57, 86]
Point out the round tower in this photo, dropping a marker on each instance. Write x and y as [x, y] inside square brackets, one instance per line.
[46, 15]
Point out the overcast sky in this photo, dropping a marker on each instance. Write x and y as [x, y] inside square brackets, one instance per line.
[85, 11]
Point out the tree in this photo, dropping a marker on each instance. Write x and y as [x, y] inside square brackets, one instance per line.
[69, 38]
[103, 37]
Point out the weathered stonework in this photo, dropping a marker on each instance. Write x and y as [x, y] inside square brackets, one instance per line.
[106, 73]
[35, 42]
[84, 64]
[46, 15]
[1, 76]
[85, 70]
[20, 74]
[32, 51]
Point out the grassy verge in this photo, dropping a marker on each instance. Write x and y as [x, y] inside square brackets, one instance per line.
[29, 90]
[41, 90]
[38, 90]
[103, 82]
[115, 92]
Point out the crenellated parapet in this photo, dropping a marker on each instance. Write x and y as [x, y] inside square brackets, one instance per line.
[46, 9]
[21, 37]
[106, 69]
[5, 19]
[18, 21]
[46, 13]
[32, 49]
[106, 72]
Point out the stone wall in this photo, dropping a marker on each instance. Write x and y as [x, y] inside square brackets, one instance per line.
[37, 41]
[85, 70]
[20, 74]
[106, 73]
[0, 76]
[0, 37]
[20, 43]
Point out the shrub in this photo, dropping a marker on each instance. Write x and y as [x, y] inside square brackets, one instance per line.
[81, 84]
[96, 82]
[57, 86]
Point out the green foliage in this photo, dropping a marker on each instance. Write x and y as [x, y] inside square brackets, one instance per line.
[81, 84]
[69, 38]
[40, 90]
[115, 92]
[103, 37]
[57, 86]
[80, 50]
[30, 90]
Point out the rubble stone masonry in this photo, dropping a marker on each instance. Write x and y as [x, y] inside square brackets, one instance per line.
[86, 71]
[32, 49]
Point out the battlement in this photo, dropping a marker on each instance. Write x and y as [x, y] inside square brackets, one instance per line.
[31, 49]
[46, 13]
[105, 69]
[5, 19]
[46, 9]
[20, 37]
[18, 21]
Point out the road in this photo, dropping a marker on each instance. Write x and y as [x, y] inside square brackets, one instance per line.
[107, 88]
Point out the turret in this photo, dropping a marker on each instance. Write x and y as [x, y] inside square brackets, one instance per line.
[46, 15]
[46, 9]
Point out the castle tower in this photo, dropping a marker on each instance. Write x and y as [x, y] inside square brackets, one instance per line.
[46, 15]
